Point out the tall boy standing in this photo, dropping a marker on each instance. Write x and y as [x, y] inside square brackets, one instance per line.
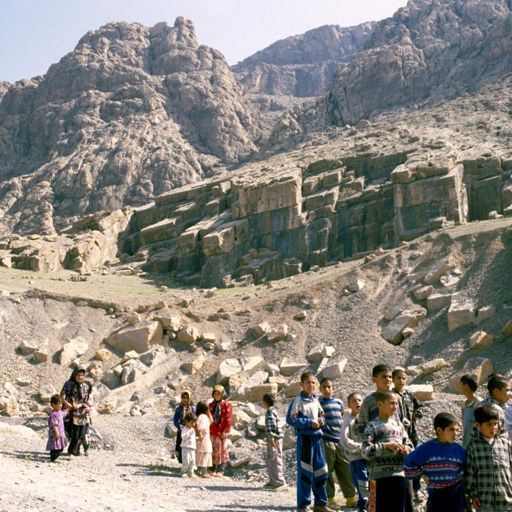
[488, 474]
[468, 387]
[442, 462]
[385, 444]
[334, 453]
[383, 380]
[306, 415]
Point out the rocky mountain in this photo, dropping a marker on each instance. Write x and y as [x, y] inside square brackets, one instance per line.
[131, 113]
[302, 65]
[428, 51]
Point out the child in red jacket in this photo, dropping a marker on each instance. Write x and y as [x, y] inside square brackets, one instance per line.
[222, 414]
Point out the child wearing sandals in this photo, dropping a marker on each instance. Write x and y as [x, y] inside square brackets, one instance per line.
[204, 443]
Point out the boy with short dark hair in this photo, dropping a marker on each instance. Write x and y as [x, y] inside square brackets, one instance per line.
[274, 453]
[499, 389]
[488, 474]
[383, 380]
[334, 454]
[306, 415]
[442, 461]
[385, 444]
[468, 387]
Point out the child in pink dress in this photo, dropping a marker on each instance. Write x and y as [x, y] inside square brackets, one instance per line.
[204, 444]
[57, 439]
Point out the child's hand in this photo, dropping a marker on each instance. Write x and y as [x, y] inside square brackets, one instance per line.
[315, 424]
[406, 449]
[393, 446]
[274, 443]
[476, 503]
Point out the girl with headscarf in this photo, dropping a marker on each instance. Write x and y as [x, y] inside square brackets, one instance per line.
[222, 414]
[75, 396]
[185, 406]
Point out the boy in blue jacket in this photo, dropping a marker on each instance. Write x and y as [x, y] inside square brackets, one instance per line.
[305, 414]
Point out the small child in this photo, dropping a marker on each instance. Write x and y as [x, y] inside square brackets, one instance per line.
[351, 442]
[204, 443]
[385, 444]
[88, 400]
[305, 414]
[184, 407]
[442, 462]
[57, 440]
[337, 462]
[188, 445]
[383, 380]
[488, 474]
[468, 387]
[274, 454]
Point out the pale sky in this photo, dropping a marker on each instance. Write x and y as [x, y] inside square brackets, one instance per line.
[36, 33]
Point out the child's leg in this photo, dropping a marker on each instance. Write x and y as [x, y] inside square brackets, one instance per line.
[359, 471]
[342, 470]
[390, 494]
[187, 456]
[330, 458]
[274, 458]
[54, 455]
[177, 449]
[320, 473]
[452, 499]
[304, 473]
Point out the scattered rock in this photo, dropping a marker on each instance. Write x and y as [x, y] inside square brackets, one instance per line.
[103, 354]
[227, 369]
[278, 334]
[319, 352]
[393, 332]
[72, 350]
[334, 371]
[423, 392]
[432, 366]
[423, 292]
[189, 335]
[480, 339]
[27, 347]
[288, 367]
[139, 337]
[437, 301]
[261, 329]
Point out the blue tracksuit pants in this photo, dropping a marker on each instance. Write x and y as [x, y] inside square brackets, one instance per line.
[311, 471]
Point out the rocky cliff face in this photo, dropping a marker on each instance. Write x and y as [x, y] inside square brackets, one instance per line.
[302, 65]
[131, 113]
[428, 51]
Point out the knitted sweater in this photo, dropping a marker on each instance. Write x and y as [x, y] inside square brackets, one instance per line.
[333, 409]
[442, 463]
[381, 461]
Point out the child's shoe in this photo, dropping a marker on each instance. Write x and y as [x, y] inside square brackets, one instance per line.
[352, 501]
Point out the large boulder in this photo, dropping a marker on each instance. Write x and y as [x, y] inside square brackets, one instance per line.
[393, 332]
[138, 337]
[73, 349]
[334, 371]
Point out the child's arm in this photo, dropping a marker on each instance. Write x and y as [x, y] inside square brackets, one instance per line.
[370, 447]
[295, 418]
[414, 462]
[472, 478]
[349, 444]
[176, 417]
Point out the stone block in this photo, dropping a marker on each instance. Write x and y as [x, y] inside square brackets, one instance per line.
[319, 352]
[41, 355]
[139, 337]
[484, 314]
[439, 269]
[103, 354]
[278, 334]
[209, 337]
[393, 332]
[480, 339]
[507, 330]
[423, 392]
[256, 392]
[288, 367]
[437, 301]
[460, 314]
[241, 419]
[170, 321]
[334, 371]
[293, 389]
[227, 369]
[424, 292]
[432, 366]
[27, 347]
[194, 366]
[251, 362]
[261, 329]
[189, 335]
[73, 349]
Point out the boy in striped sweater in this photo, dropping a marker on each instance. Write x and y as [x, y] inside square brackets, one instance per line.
[385, 444]
[442, 462]
[334, 452]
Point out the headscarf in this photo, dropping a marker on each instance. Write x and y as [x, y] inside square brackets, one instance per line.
[185, 409]
[217, 409]
[72, 391]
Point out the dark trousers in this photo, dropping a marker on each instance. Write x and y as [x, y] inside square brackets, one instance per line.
[390, 494]
[452, 499]
[55, 454]
[178, 446]
[77, 435]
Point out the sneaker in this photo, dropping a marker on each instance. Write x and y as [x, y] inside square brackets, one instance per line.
[352, 501]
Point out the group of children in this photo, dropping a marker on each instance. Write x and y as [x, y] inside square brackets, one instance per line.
[69, 421]
[372, 448]
[202, 434]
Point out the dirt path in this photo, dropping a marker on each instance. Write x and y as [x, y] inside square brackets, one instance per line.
[122, 480]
